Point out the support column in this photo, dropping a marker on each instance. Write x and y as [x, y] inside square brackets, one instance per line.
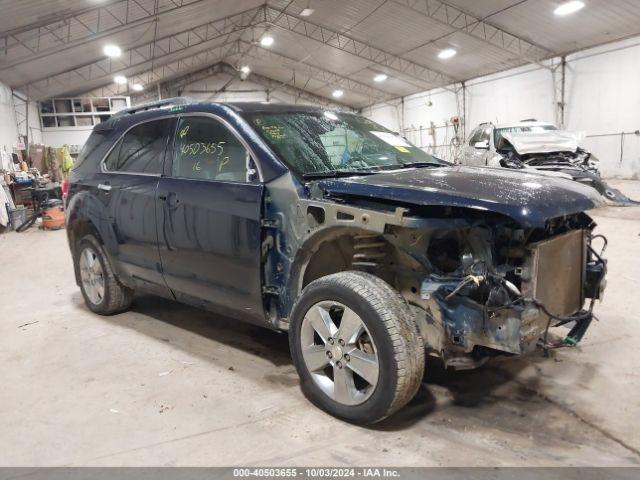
[559, 77]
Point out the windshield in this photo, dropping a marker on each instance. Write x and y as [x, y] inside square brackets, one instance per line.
[328, 143]
[498, 132]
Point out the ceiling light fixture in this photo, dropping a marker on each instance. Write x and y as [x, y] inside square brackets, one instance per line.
[112, 51]
[568, 8]
[381, 77]
[307, 12]
[337, 93]
[266, 41]
[447, 53]
[137, 87]
[120, 79]
[245, 69]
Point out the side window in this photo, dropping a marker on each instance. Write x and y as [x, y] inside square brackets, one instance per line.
[484, 134]
[205, 149]
[141, 150]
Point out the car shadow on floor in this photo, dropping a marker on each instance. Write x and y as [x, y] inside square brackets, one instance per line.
[197, 332]
[473, 389]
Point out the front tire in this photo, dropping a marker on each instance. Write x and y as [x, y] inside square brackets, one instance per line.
[356, 347]
[102, 291]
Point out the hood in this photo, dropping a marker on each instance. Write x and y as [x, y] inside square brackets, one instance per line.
[529, 199]
[548, 141]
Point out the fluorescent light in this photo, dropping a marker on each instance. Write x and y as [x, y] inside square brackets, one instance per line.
[447, 53]
[569, 7]
[337, 93]
[245, 69]
[137, 87]
[381, 77]
[120, 79]
[266, 41]
[307, 12]
[112, 51]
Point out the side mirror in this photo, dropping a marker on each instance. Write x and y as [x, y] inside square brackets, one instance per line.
[484, 145]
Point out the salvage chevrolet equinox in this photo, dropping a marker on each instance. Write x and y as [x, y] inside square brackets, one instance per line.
[368, 251]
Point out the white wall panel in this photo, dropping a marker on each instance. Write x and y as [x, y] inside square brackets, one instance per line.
[66, 136]
[511, 96]
[8, 127]
[603, 98]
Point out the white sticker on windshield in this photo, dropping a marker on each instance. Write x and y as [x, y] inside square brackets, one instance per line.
[391, 139]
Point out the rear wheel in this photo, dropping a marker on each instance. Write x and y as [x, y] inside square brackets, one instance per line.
[356, 347]
[102, 291]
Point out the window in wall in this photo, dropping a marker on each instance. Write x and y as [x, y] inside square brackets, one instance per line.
[206, 150]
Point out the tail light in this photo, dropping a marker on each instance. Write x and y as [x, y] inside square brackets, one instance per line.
[65, 190]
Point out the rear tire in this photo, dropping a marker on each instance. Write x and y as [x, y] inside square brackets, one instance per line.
[102, 291]
[352, 328]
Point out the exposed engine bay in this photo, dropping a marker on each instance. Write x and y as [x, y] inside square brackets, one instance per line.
[497, 289]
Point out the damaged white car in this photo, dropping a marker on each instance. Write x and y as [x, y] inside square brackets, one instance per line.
[532, 145]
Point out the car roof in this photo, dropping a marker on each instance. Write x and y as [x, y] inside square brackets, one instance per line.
[148, 111]
[523, 124]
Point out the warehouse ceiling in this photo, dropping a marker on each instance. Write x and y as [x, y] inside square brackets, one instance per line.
[55, 47]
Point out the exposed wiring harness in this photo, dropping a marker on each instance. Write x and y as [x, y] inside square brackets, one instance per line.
[477, 279]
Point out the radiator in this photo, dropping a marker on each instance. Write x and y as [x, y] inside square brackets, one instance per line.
[557, 271]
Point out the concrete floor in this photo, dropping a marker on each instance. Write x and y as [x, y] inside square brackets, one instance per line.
[166, 384]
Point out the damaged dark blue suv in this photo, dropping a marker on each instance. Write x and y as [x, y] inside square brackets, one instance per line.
[367, 250]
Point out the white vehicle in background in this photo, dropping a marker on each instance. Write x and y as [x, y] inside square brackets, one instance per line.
[531, 145]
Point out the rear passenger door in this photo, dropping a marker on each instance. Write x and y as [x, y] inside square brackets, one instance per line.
[127, 187]
[209, 207]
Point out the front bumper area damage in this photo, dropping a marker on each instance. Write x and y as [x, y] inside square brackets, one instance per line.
[474, 255]
[486, 310]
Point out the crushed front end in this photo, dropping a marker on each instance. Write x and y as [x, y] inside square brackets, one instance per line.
[499, 289]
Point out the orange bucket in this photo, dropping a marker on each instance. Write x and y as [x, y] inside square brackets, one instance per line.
[53, 218]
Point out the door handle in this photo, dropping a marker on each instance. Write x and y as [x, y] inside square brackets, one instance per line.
[104, 187]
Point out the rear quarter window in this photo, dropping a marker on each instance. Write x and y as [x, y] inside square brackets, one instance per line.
[94, 148]
[141, 150]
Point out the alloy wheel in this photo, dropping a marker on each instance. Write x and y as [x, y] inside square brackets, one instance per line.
[92, 275]
[339, 352]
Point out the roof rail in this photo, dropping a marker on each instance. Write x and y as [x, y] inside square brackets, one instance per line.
[529, 120]
[169, 102]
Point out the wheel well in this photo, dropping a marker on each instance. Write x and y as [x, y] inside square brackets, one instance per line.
[76, 230]
[369, 252]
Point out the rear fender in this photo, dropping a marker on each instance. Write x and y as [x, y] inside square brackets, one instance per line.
[86, 214]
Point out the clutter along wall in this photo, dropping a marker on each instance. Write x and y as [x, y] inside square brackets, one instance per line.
[602, 99]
